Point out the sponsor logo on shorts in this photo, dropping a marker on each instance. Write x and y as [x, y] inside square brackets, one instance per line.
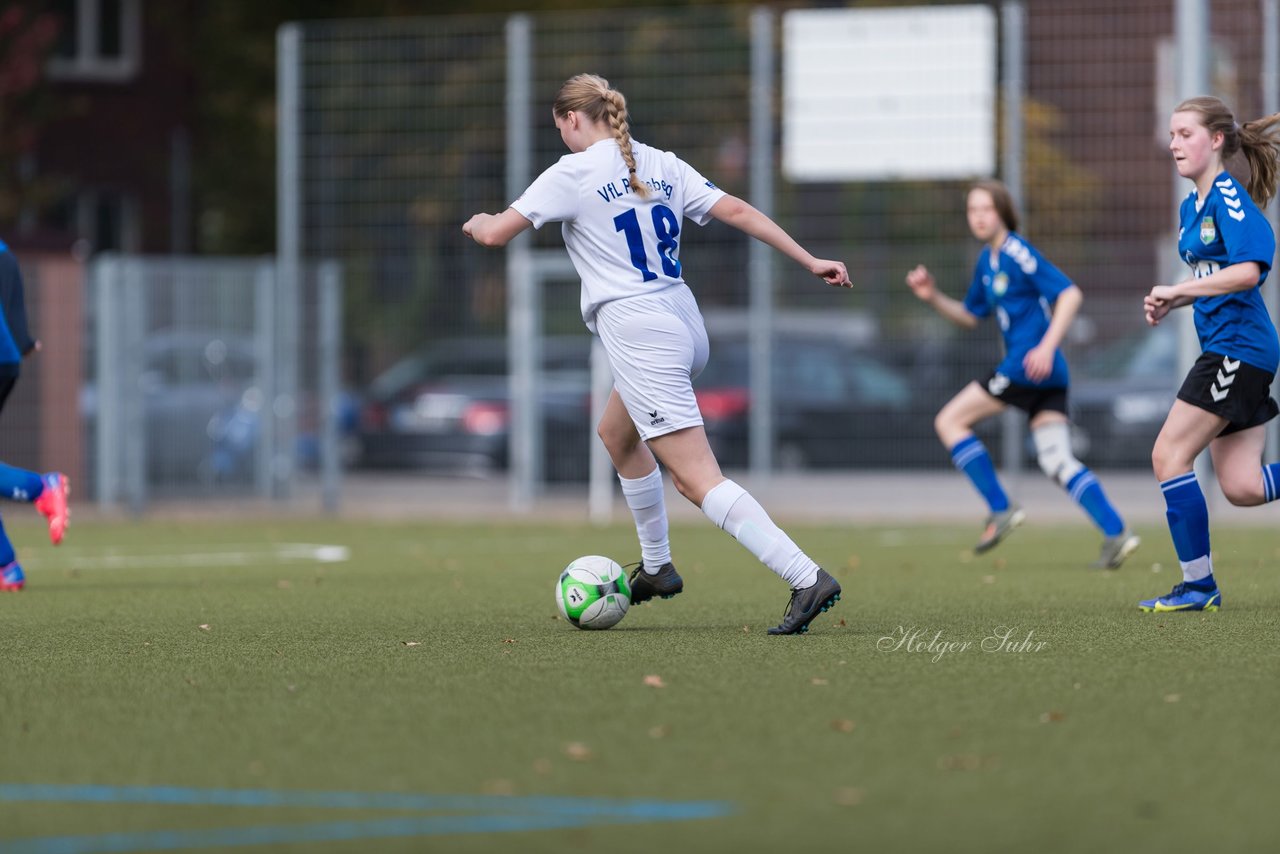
[655, 419]
[997, 385]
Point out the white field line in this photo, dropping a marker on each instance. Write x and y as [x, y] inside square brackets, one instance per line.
[201, 556]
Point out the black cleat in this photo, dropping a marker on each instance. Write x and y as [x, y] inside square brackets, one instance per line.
[665, 583]
[808, 603]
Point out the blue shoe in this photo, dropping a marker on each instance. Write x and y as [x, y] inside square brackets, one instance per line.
[1184, 597]
[11, 578]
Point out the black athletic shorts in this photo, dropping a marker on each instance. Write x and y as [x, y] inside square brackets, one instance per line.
[6, 386]
[1237, 391]
[1030, 399]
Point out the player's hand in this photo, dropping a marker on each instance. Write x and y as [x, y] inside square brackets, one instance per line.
[921, 282]
[476, 222]
[1164, 293]
[831, 272]
[1155, 309]
[1038, 363]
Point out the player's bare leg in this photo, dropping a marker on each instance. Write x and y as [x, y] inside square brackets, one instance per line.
[687, 455]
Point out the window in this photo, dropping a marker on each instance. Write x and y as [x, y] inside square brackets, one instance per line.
[99, 40]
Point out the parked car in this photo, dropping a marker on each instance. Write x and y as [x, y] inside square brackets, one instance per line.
[836, 403]
[1120, 395]
[447, 407]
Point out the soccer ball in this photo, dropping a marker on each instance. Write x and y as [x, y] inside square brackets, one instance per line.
[592, 593]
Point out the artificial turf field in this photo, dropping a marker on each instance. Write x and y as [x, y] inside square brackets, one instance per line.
[172, 685]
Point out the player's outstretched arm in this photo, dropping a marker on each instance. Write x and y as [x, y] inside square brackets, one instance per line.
[733, 211]
[922, 284]
[495, 229]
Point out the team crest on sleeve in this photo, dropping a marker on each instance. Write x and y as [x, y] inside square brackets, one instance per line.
[1208, 231]
[712, 186]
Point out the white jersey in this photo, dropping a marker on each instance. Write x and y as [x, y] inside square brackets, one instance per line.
[621, 245]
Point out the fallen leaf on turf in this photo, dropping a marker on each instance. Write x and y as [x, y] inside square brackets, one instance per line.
[1052, 717]
[853, 562]
[1000, 563]
[817, 680]
[965, 762]
[746, 630]
[842, 624]
[509, 640]
[193, 683]
[988, 579]
[660, 731]
[848, 796]
[654, 681]
[498, 787]
[542, 767]
[1172, 698]
[204, 626]
[292, 689]
[284, 584]
[411, 643]
[843, 725]
[577, 751]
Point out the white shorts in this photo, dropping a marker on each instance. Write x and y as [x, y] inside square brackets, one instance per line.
[656, 345]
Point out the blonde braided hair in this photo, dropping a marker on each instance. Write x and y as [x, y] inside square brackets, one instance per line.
[590, 95]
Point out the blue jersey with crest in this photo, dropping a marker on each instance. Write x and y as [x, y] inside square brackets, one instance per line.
[1020, 287]
[1229, 229]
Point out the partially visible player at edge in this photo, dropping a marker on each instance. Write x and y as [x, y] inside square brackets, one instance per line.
[1035, 304]
[1225, 399]
[48, 492]
[622, 204]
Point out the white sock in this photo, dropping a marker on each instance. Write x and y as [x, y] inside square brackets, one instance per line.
[1198, 569]
[644, 497]
[734, 510]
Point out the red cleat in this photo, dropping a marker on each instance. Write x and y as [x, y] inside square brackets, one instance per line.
[52, 504]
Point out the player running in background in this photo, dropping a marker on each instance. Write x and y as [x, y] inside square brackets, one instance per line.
[48, 492]
[622, 205]
[1035, 304]
[1225, 400]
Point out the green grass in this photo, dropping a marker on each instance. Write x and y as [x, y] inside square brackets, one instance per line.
[431, 663]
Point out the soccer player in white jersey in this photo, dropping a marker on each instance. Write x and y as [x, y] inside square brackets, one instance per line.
[1225, 400]
[1035, 304]
[622, 205]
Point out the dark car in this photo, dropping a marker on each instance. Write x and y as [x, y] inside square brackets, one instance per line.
[1120, 396]
[836, 404]
[447, 407]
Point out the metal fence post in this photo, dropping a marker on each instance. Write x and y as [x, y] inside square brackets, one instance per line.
[279, 411]
[760, 257]
[330, 347]
[1013, 39]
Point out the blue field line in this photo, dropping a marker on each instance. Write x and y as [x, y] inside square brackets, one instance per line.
[494, 814]
[184, 796]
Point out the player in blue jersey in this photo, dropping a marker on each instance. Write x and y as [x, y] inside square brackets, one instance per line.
[1034, 304]
[1225, 400]
[621, 205]
[48, 492]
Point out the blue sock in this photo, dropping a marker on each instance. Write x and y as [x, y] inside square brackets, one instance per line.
[6, 548]
[19, 484]
[1188, 517]
[1271, 481]
[971, 457]
[1087, 492]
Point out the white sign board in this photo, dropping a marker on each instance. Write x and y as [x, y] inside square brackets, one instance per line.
[889, 94]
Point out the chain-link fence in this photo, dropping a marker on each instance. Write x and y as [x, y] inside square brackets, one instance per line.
[405, 128]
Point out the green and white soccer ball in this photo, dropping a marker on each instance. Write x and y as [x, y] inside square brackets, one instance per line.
[593, 593]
